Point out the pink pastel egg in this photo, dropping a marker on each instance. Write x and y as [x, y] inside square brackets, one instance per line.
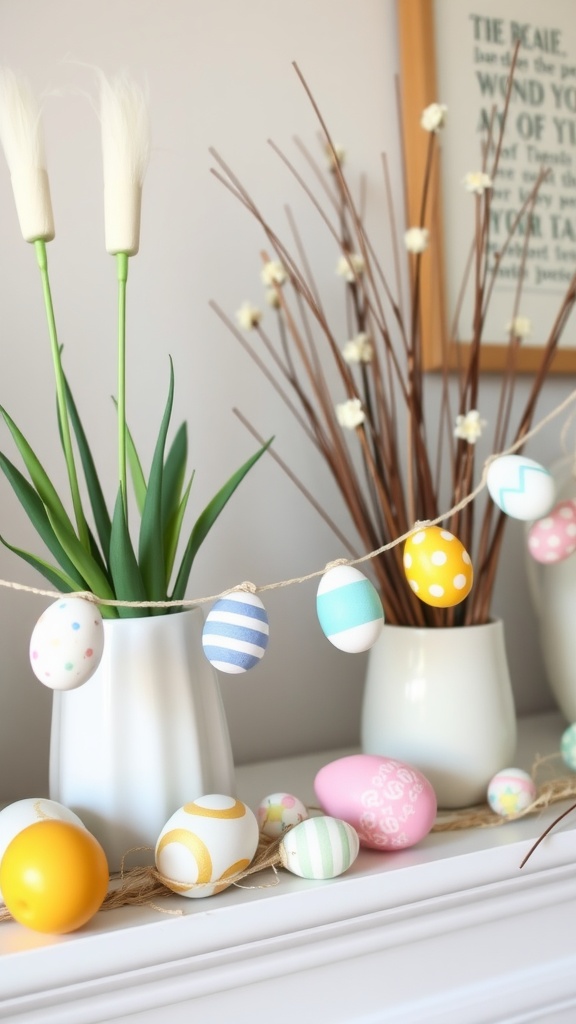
[390, 804]
[553, 538]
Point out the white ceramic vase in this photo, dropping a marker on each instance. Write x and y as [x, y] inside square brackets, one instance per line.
[144, 735]
[441, 700]
[553, 593]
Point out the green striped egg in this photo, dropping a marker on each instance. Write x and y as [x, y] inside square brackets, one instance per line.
[319, 847]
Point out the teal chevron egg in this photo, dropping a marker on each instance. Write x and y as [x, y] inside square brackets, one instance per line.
[320, 847]
[235, 634]
[349, 609]
[521, 487]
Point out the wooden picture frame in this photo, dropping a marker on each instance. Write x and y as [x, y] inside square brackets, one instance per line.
[418, 89]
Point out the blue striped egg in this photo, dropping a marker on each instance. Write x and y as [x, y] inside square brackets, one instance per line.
[521, 488]
[349, 609]
[235, 634]
[319, 847]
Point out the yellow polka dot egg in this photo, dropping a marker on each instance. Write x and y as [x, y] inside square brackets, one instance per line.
[205, 843]
[437, 567]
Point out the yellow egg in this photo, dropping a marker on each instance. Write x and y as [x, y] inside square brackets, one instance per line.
[437, 567]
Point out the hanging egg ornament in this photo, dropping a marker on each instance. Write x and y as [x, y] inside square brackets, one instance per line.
[278, 811]
[511, 791]
[349, 609]
[67, 643]
[390, 804]
[553, 538]
[235, 634]
[205, 843]
[320, 847]
[567, 747]
[520, 487]
[438, 567]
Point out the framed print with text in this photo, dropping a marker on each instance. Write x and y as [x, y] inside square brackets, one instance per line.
[458, 52]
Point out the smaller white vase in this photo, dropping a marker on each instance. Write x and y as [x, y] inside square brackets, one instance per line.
[144, 735]
[441, 700]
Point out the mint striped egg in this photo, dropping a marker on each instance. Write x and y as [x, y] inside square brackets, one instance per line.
[319, 847]
[235, 634]
[349, 609]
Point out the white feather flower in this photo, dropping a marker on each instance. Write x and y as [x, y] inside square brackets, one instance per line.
[477, 181]
[248, 316]
[350, 414]
[358, 349]
[469, 427]
[272, 273]
[351, 266]
[433, 118]
[520, 326]
[125, 154]
[416, 239]
[21, 137]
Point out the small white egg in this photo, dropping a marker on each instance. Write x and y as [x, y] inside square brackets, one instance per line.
[521, 488]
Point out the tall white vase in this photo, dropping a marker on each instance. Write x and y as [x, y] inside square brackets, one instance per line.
[441, 700]
[146, 734]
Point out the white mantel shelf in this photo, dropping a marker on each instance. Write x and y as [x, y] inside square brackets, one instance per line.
[451, 930]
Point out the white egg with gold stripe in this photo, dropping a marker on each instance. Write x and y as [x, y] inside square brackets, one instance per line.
[321, 847]
[205, 844]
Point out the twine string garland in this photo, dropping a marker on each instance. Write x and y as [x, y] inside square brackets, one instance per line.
[250, 587]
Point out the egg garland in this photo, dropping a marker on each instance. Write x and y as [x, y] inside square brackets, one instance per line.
[278, 811]
[235, 634]
[437, 567]
[520, 487]
[349, 609]
[67, 643]
[511, 791]
[553, 538]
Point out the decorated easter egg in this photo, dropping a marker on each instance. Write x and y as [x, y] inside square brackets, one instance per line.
[568, 747]
[349, 609]
[520, 487]
[67, 643]
[320, 847]
[277, 811]
[553, 538]
[437, 567]
[205, 843]
[390, 804]
[235, 634]
[511, 791]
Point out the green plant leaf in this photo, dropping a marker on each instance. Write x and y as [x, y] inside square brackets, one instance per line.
[95, 493]
[83, 561]
[136, 471]
[151, 542]
[172, 530]
[206, 520]
[55, 576]
[36, 513]
[174, 473]
[128, 583]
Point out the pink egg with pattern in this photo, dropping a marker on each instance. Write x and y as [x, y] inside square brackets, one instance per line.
[553, 538]
[390, 804]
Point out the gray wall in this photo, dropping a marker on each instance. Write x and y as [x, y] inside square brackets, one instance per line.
[218, 74]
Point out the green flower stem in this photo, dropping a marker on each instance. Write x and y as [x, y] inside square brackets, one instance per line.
[122, 274]
[42, 260]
